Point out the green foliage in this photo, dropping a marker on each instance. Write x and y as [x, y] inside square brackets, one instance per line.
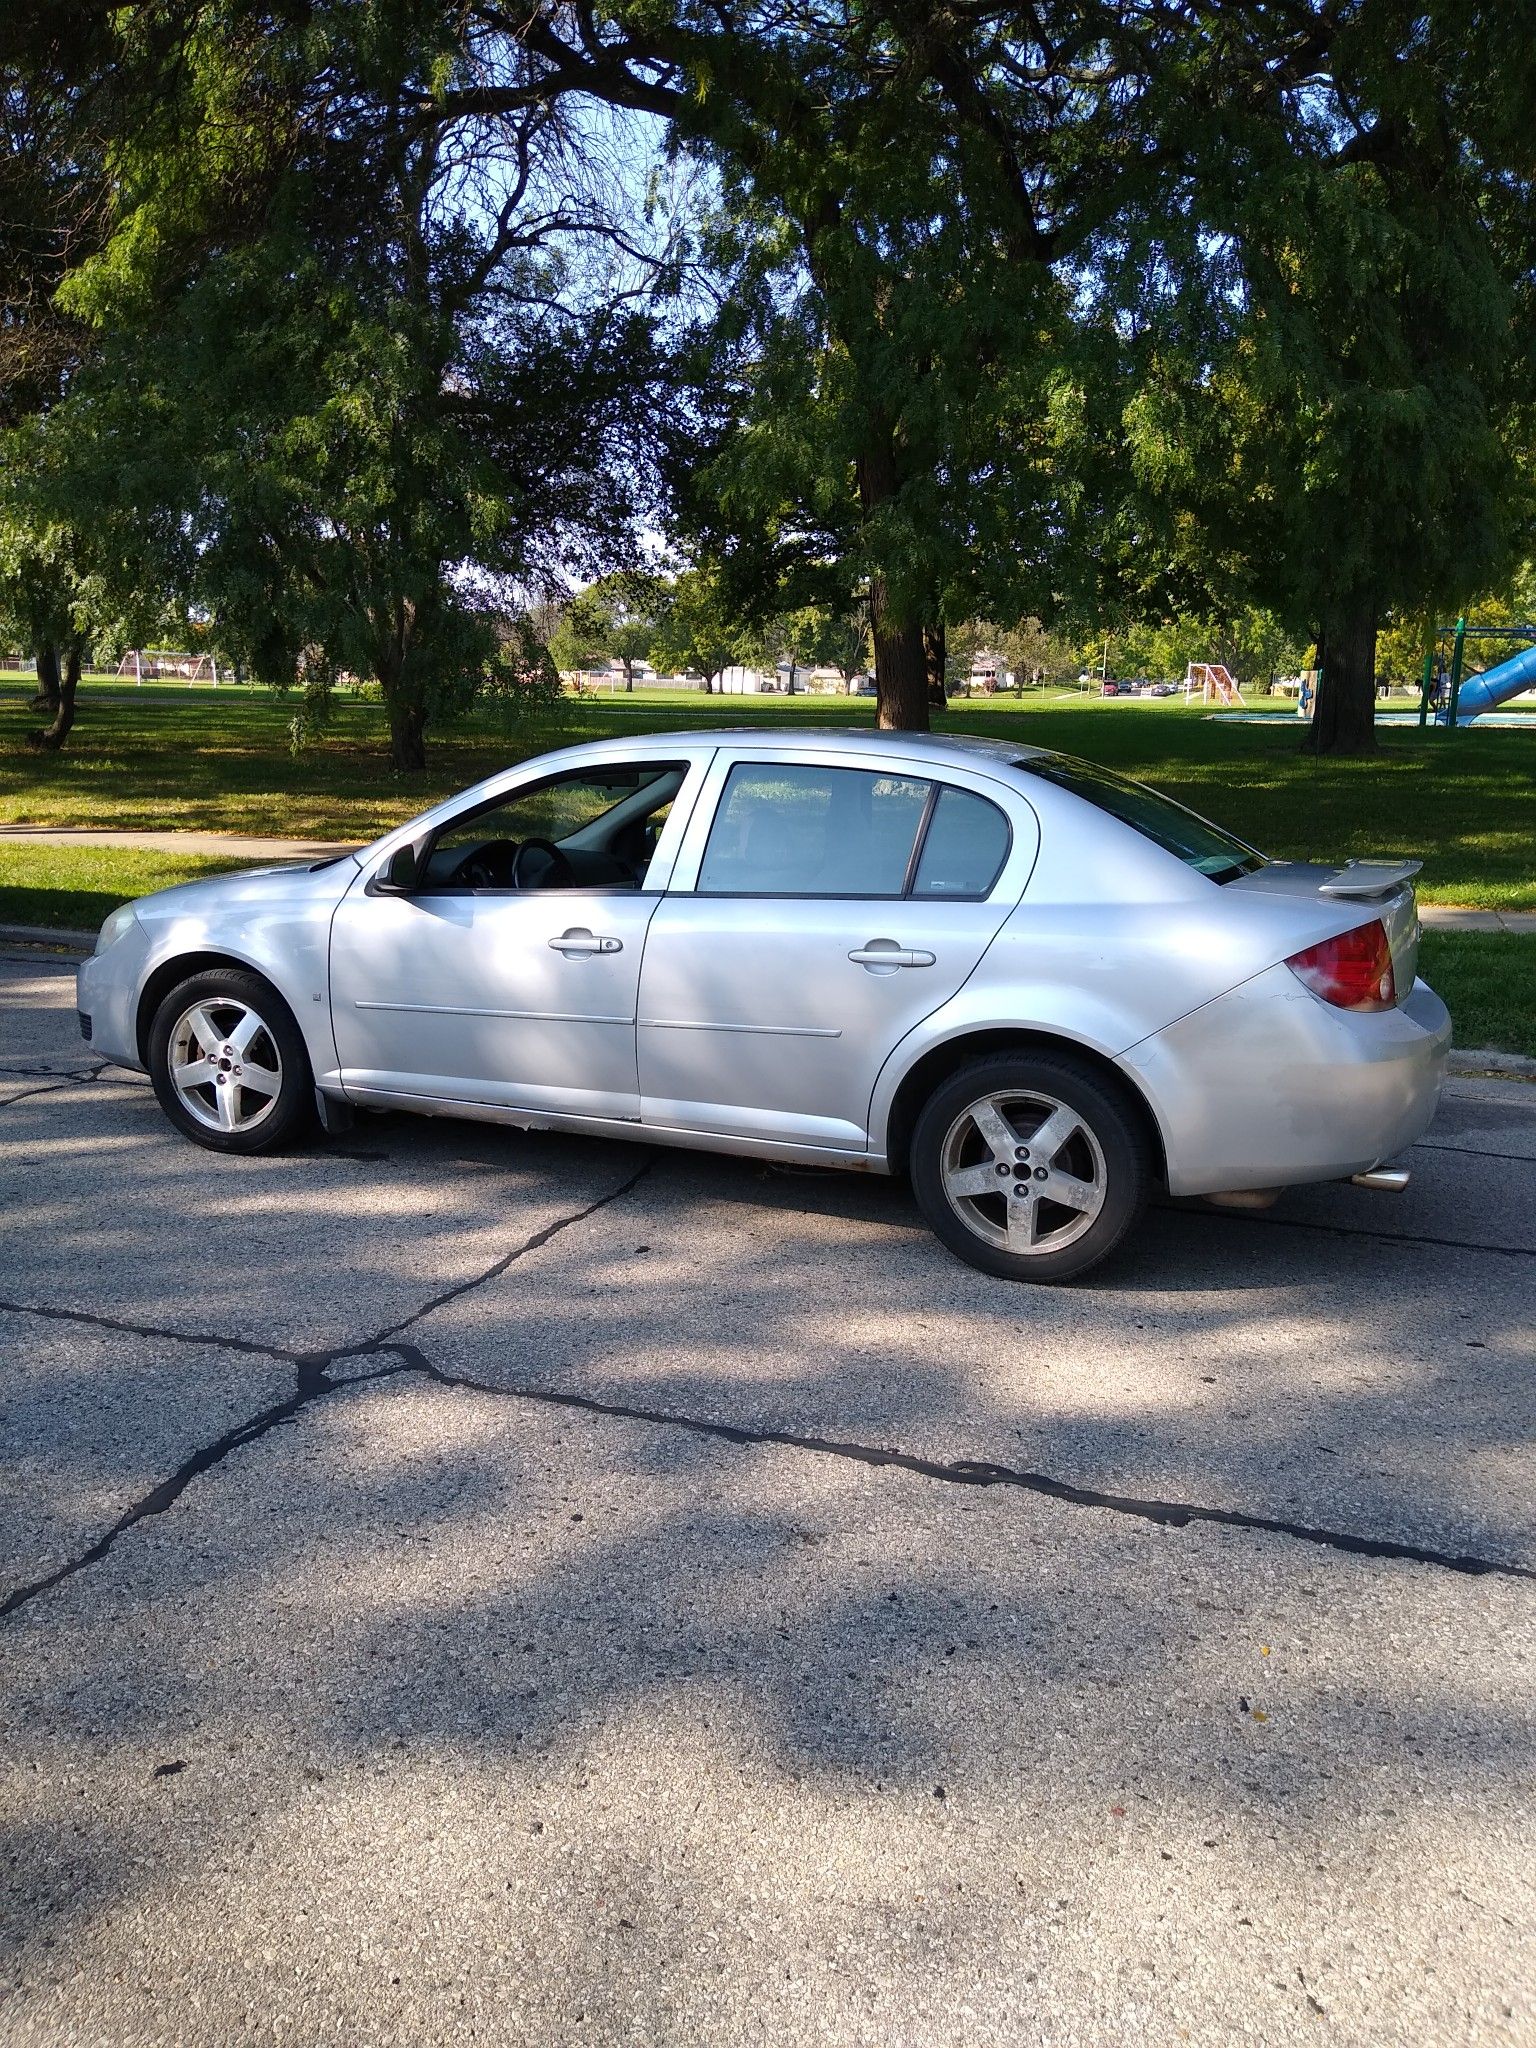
[1251, 645]
[1053, 315]
[353, 408]
[700, 631]
[615, 618]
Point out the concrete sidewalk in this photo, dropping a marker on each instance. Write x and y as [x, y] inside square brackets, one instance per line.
[236, 845]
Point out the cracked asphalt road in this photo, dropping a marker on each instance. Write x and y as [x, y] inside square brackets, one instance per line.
[462, 1585]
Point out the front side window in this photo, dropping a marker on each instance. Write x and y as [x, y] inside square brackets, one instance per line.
[1185, 834]
[594, 829]
[791, 829]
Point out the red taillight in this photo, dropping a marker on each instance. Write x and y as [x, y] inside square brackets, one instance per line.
[1353, 971]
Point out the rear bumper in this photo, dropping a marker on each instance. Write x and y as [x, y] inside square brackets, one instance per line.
[1268, 1086]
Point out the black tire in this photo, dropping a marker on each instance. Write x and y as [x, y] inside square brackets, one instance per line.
[1105, 1159]
[226, 994]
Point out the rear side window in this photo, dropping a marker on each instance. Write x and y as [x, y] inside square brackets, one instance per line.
[1191, 838]
[964, 847]
[790, 829]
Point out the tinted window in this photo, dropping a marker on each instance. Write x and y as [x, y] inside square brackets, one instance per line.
[965, 847]
[1193, 839]
[785, 829]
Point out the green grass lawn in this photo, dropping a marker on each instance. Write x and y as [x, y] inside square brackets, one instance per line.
[1487, 981]
[219, 761]
[74, 887]
[174, 758]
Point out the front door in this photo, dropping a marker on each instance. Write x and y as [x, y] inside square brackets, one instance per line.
[833, 909]
[508, 976]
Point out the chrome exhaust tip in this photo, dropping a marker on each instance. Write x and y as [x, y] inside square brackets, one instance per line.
[1386, 1180]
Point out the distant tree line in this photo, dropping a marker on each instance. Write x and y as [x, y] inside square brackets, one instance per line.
[359, 334]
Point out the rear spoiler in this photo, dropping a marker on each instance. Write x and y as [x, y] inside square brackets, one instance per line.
[1370, 877]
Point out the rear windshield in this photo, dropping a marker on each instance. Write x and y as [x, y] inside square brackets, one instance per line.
[1196, 842]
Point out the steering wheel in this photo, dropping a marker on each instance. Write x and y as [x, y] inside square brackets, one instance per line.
[558, 875]
[492, 865]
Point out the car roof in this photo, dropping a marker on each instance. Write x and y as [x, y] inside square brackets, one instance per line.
[957, 747]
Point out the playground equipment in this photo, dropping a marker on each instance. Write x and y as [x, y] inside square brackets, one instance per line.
[1455, 701]
[193, 668]
[1213, 682]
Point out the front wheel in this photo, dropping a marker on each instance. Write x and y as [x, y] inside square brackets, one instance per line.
[1030, 1166]
[228, 1063]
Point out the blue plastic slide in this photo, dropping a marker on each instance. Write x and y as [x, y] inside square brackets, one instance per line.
[1481, 693]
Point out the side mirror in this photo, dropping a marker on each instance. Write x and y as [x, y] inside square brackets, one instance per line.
[403, 871]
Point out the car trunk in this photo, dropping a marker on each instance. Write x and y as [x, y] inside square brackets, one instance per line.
[1360, 890]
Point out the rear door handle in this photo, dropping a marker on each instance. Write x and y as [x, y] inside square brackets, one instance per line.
[885, 953]
[580, 940]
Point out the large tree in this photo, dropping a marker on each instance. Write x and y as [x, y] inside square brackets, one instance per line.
[966, 259]
[51, 185]
[1326, 374]
[372, 372]
[936, 222]
[616, 618]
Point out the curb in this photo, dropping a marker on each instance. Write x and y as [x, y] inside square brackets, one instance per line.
[48, 939]
[1472, 1063]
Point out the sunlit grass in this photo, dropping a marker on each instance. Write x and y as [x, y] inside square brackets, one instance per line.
[74, 887]
[178, 758]
[1487, 981]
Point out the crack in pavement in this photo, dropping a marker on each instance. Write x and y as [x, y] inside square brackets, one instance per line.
[534, 1243]
[1475, 1152]
[313, 1383]
[207, 1341]
[1168, 1514]
[43, 1088]
[85, 1073]
[1262, 1220]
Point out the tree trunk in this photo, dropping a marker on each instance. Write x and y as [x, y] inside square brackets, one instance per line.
[629, 676]
[790, 691]
[407, 724]
[68, 681]
[935, 655]
[47, 698]
[901, 666]
[1345, 719]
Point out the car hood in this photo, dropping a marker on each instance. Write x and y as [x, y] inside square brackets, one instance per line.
[252, 889]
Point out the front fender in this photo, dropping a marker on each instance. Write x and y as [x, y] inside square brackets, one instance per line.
[276, 923]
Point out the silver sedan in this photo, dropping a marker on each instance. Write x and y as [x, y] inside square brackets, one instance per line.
[1043, 990]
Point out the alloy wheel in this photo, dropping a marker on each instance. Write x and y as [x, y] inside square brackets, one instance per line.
[1024, 1172]
[225, 1064]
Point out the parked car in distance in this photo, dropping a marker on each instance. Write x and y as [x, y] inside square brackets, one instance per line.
[1162, 689]
[1043, 990]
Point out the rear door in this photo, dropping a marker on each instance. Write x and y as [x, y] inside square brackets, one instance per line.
[820, 908]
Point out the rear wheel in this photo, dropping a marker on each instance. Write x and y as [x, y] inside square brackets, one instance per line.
[1030, 1167]
[228, 1063]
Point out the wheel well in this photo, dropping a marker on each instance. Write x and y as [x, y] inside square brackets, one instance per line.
[941, 1061]
[165, 978]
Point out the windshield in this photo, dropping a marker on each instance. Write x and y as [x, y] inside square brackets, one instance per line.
[1196, 842]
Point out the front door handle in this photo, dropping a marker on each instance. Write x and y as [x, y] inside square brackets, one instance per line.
[579, 940]
[882, 956]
